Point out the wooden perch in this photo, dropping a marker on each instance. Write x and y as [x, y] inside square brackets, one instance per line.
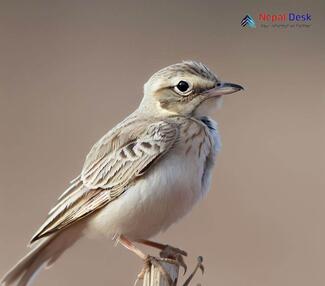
[154, 276]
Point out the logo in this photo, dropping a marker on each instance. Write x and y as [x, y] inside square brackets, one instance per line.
[291, 17]
[248, 21]
[278, 20]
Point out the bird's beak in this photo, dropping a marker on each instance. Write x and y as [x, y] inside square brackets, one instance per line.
[223, 88]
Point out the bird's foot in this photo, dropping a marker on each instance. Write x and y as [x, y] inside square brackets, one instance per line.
[175, 254]
[171, 252]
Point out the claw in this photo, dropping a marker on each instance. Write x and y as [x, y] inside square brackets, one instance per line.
[181, 262]
[175, 254]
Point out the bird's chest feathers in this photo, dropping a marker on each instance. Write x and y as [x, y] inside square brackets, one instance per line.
[199, 144]
[185, 172]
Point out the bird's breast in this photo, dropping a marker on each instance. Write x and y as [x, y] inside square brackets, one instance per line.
[168, 191]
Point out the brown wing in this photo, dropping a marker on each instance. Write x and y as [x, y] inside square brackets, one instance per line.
[107, 174]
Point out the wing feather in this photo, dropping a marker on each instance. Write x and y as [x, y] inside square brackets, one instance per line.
[108, 173]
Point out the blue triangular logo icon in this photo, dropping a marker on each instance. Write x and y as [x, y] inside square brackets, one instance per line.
[248, 21]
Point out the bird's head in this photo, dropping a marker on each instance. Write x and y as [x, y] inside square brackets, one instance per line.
[188, 88]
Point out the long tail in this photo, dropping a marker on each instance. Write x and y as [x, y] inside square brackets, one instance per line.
[45, 253]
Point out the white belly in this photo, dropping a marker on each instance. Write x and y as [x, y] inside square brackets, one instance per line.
[163, 196]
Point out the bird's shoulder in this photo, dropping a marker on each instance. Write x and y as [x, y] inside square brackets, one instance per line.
[134, 138]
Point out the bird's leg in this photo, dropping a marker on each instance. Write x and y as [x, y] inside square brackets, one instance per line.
[130, 246]
[167, 251]
[148, 260]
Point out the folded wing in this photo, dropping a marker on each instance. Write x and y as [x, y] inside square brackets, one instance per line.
[111, 166]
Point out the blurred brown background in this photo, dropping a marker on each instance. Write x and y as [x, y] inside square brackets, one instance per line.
[70, 70]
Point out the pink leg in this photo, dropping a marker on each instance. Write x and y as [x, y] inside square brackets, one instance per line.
[166, 249]
[130, 246]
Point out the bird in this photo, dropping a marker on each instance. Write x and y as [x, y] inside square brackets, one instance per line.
[143, 175]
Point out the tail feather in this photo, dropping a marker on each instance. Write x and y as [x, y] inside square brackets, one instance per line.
[45, 253]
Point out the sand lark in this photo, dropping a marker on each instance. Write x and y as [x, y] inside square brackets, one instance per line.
[143, 175]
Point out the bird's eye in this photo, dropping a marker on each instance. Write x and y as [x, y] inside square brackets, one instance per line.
[183, 87]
